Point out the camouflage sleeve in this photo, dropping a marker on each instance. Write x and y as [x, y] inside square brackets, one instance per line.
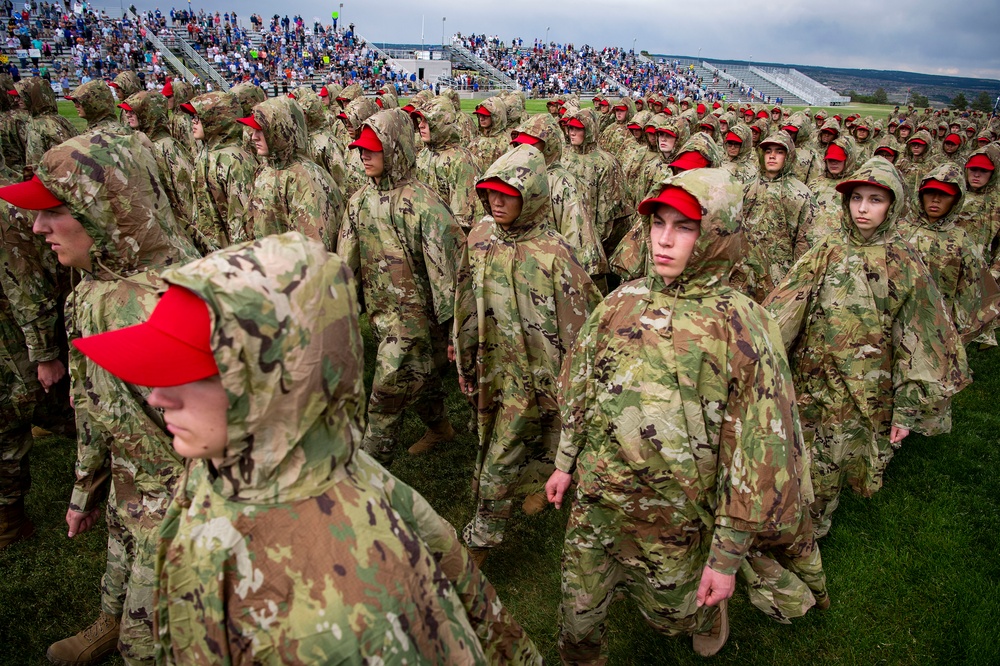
[466, 325]
[610, 198]
[576, 296]
[238, 175]
[502, 638]
[28, 284]
[316, 206]
[807, 212]
[442, 239]
[576, 225]
[462, 180]
[93, 448]
[629, 259]
[349, 246]
[576, 393]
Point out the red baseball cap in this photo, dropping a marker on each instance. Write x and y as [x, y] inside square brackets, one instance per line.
[168, 89]
[499, 186]
[886, 149]
[940, 186]
[291, 95]
[621, 107]
[707, 126]
[187, 107]
[689, 160]
[13, 92]
[701, 108]
[409, 108]
[762, 114]
[835, 152]
[601, 102]
[30, 195]
[666, 130]
[791, 129]
[716, 105]
[113, 84]
[483, 111]
[675, 197]
[846, 186]
[527, 139]
[633, 125]
[125, 106]
[342, 115]
[575, 122]
[650, 129]
[733, 136]
[323, 92]
[368, 140]
[378, 102]
[250, 122]
[953, 138]
[920, 141]
[980, 162]
[172, 348]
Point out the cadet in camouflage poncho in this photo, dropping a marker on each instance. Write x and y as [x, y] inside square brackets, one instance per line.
[381, 578]
[324, 145]
[95, 103]
[446, 165]
[178, 93]
[873, 350]
[843, 156]
[110, 186]
[981, 211]
[569, 215]
[493, 139]
[405, 246]
[224, 172]
[46, 128]
[291, 192]
[679, 425]
[806, 162]
[149, 109]
[531, 298]
[351, 119]
[249, 96]
[744, 165]
[13, 123]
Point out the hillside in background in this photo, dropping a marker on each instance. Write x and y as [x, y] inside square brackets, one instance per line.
[938, 89]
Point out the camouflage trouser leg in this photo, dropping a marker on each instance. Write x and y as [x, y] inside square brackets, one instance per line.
[590, 573]
[429, 404]
[128, 583]
[15, 476]
[831, 455]
[486, 528]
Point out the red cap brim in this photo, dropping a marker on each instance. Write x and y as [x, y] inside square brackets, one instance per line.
[170, 349]
[980, 162]
[733, 136]
[835, 152]
[482, 111]
[939, 186]
[125, 106]
[323, 92]
[30, 195]
[368, 140]
[574, 122]
[13, 92]
[113, 84]
[527, 139]
[664, 130]
[188, 108]
[689, 160]
[846, 186]
[250, 122]
[168, 89]
[499, 186]
[673, 196]
[953, 138]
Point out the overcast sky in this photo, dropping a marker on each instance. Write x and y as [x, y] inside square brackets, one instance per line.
[952, 37]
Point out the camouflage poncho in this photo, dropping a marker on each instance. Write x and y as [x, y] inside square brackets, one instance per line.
[981, 213]
[46, 128]
[826, 219]
[324, 145]
[180, 122]
[249, 96]
[13, 123]
[531, 298]
[224, 173]
[98, 104]
[871, 345]
[491, 143]
[291, 192]
[381, 577]
[745, 166]
[807, 163]
[446, 165]
[679, 424]
[356, 113]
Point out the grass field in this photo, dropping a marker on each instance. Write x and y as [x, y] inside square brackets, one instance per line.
[914, 572]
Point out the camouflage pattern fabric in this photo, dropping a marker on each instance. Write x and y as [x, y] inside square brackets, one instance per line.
[680, 425]
[19, 392]
[446, 165]
[13, 122]
[981, 213]
[807, 163]
[745, 166]
[355, 115]
[325, 147]
[872, 346]
[180, 122]
[570, 216]
[46, 128]
[531, 298]
[110, 184]
[466, 123]
[98, 103]
[224, 174]
[616, 135]
[405, 246]
[249, 96]
[491, 143]
[176, 168]
[128, 84]
[913, 169]
[400, 587]
[291, 192]
[828, 212]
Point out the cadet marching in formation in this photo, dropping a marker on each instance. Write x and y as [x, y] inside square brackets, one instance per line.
[694, 326]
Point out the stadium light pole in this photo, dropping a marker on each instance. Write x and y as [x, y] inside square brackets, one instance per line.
[547, 34]
[341, 15]
[633, 45]
[699, 54]
[443, 19]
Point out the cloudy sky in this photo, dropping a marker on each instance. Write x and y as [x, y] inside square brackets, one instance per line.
[953, 37]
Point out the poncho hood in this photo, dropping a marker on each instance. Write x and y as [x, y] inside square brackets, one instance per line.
[395, 130]
[441, 121]
[312, 107]
[128, 84]
[249, 96]
[39, 98]
[97, 100]
[785, 139]
[498, 112]
[524, 170]
[284, 127]
[150, 109]
[218, 112]
[951, 173]
[876, 171]
[544, 127]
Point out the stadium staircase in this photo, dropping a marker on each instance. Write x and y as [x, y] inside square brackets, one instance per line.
[463, 58]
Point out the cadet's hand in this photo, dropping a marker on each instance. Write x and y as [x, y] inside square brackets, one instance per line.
[715, 587]
[50, 372]
[79, 522]
[556, 487]
[451, 354]
[467, 387]
[897, 434]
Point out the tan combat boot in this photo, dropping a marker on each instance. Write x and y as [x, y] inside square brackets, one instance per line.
[442, 432]
[14, 525]
[534, 503]
[709, 643]
[90, 645]
[478, 555]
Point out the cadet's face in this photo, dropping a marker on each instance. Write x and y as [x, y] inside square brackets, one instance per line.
[977, 178]
[553, 109]
[774, 158]
[723, 126]
[485, 122]
[424, 129]
[651, 139]
[917, 149]
[869, 207]
[352, 131]
[604, 109]
[826, 136]
[20, 102]
[170, 104]
[904, 132]
[861, 133]
[195, 414]
[636, 133]
[733, 148]
[576, 135]
[505, 208]
[132, 119]
[197, 129]
[79, 109]
[666, 142]
[260, 142]
[620, 115]
[672, 239]
[374, 162]
[835, 167]
[67, 237]
[937, 204]
[950, 148]
[118, 94]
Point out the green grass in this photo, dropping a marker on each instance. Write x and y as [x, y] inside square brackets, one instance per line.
[914, 572]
